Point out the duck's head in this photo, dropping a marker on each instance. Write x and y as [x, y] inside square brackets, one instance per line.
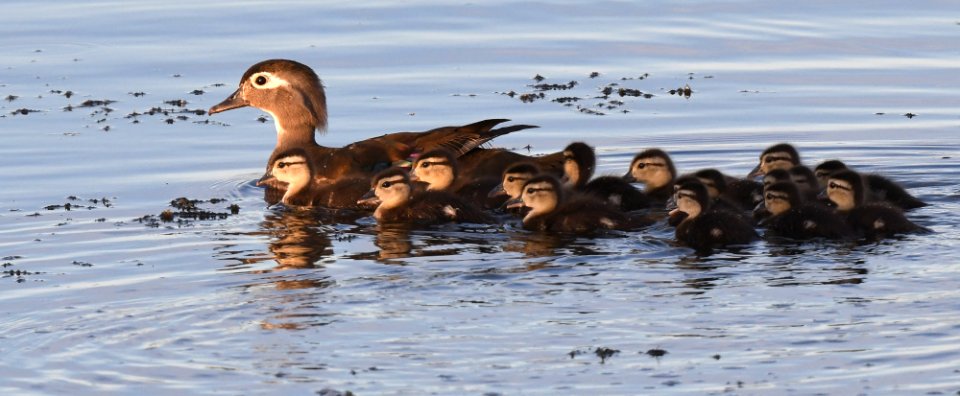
[692, 199]
[845, 189]
[713, 180]
[389, 189]
[579, 161]
[514, 177]
[780, 197]
[804, 178]
[290, 91]
[437, 168]
[775, 176]
[293, 168]
[778, 156]
[827, 168]
[652, 167]
[541, 194]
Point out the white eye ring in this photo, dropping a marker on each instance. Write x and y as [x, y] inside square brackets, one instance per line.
[266, 80]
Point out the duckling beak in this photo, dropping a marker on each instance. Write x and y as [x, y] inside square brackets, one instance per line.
[235, 101]
[369, 199]
[825, 199]
[497, 191]
[268, 180]
[514, 203]
[755, 172]
[629, 178]
[677, 217]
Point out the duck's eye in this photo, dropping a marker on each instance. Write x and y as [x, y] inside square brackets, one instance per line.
[424, 164]
[641, 165]
[531, 190]
[385, 184]
[511, 179]
[281, 165]
[260, 80]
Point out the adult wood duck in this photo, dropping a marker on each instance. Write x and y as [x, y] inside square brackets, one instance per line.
[294, 96]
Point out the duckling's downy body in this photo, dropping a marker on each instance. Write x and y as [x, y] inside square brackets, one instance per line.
[873, 220]
[703, 228]
[396, 202]
[439, 170]
[879, 188]
[293, 95]
[790, 217]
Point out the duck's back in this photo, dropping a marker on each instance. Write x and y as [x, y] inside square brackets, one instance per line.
[878, 220]
[579, 215]
[884, 189]
[715, 228]
[809, 221]
[618, 192]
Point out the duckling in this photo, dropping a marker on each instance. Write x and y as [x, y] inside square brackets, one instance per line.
[791, 218]
[578, 167]
[655, 169]
[702, 227]
[293, 95]
[294, 168]
[778, 156]
[552, 211]
[439, 170]
[879, 188]
[807, 183]
[874, 220]
[730, 192]
[393, 196]
[513, 180]
[760, 211]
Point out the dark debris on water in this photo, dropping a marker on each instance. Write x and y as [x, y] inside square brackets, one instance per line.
[185, 211]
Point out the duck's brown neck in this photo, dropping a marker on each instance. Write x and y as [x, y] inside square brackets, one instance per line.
[290, 135]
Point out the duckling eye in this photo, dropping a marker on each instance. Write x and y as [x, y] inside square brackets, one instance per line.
[385, 184]
[511, 179]
[282, 165]
[424, 164]
[531, 190]
[641, 165]
[260, 80]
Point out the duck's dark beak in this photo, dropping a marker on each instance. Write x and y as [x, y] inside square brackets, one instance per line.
[676, 217]
[267, 180]
[233, 102]
[515, 203]
[755, 172]
[629, 178]
[369, 199]
[497, 191]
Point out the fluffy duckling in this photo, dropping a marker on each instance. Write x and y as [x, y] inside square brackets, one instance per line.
[730, 192]
[791, 218]
[653, 168]
[778, 156]
[293, 167]
[514, 177]
[578, 167]
[393, 195]
[550, 210]
[293, 95]
[879, 188]
[807, 183]
[439, 169]
[874, 220]
[701, 227]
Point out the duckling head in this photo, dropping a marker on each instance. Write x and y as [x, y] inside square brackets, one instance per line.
[826, 168]
[542, 194]
[293, 168]
[804, 178]
[776, 176]
[514, 177]
[290, 91]
[389, 189]
[579, 161]
[713, 180]
[780, 197]
[652, 167]
[437, 168]
[691, 199]
[845, 189]
[778, 156]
